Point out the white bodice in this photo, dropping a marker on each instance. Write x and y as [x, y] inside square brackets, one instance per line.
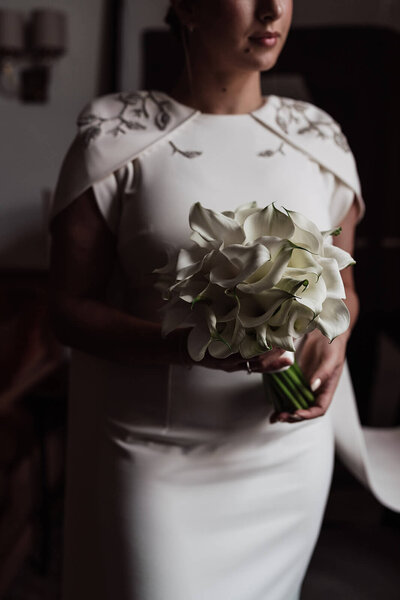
[222, 161]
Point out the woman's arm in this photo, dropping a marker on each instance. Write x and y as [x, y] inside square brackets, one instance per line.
[322, 362]
[83, 255]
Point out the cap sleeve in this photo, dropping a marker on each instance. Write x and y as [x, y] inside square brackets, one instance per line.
[341, 200]
[109, 193]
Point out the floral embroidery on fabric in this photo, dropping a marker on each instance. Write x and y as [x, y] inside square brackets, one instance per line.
[293, 113]
[185, 153]
[133, 111]
[269, 153]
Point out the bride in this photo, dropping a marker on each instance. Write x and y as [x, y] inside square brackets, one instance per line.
[182, 481]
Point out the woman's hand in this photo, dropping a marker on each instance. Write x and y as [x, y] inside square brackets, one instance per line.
[322, 364]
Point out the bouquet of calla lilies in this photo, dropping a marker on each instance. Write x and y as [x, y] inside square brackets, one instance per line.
[254, 279]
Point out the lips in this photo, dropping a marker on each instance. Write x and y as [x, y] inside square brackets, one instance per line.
[265, 35]
[265, 39]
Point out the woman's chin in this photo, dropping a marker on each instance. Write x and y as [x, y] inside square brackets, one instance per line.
[262, 63]
[260, 59]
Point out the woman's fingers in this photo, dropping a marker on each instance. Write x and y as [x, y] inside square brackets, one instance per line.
[313, 412]
[318, 410]
[323, 398]
[315, 384]
[285, 417]
[272, 361]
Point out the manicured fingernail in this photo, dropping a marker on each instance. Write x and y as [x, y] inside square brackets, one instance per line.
[315, 384]
[297, 417]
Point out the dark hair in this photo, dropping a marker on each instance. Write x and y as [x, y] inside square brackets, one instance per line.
[174, 23]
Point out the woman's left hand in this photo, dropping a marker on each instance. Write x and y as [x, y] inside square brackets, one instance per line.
[322, 364]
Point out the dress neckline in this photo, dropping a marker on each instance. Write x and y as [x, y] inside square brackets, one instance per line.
[186, 107]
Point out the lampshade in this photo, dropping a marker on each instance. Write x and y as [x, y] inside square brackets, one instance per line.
[12, 36]
[48, 32]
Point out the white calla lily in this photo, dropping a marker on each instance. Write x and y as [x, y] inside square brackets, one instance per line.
[175, 314]
[189, 289]
[261, 335]
[333, 279]
[250, 346]
[334, 318]
[306, 233]
[236, 263]
[309, 291]
[254, 310]
[227, 341]
[343, 258]
[291, 322]
[313, 296]
[199, 339]
[243, 211]
[295, 316]
[205, 244]
[293, 279]
[202, 265]
[273, 243]
[225, 305]
[269, 273]
[305, 260]
[200, 336]
[331, 232]
[279, 337]
[214, 226]
[268, 222]
[302, 320]
[187, 258]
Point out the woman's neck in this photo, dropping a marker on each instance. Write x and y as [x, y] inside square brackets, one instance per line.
[219, 93]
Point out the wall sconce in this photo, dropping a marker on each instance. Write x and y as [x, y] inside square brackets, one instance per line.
[28, 48]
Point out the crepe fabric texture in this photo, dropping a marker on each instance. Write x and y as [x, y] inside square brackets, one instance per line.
[178, 486]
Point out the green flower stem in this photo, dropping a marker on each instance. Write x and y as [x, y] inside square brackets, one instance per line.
[288, 389]
[299, 373]
[294, 388]
[300, 395]
[306, 386]
[284, 389]
[270, 392]
[303, 389]
[279, 399]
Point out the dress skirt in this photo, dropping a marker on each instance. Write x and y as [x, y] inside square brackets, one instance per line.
[227, 510]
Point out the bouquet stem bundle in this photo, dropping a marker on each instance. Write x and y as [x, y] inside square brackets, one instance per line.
[288, 389]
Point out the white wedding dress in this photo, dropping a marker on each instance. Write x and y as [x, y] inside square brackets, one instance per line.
[179, 487]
